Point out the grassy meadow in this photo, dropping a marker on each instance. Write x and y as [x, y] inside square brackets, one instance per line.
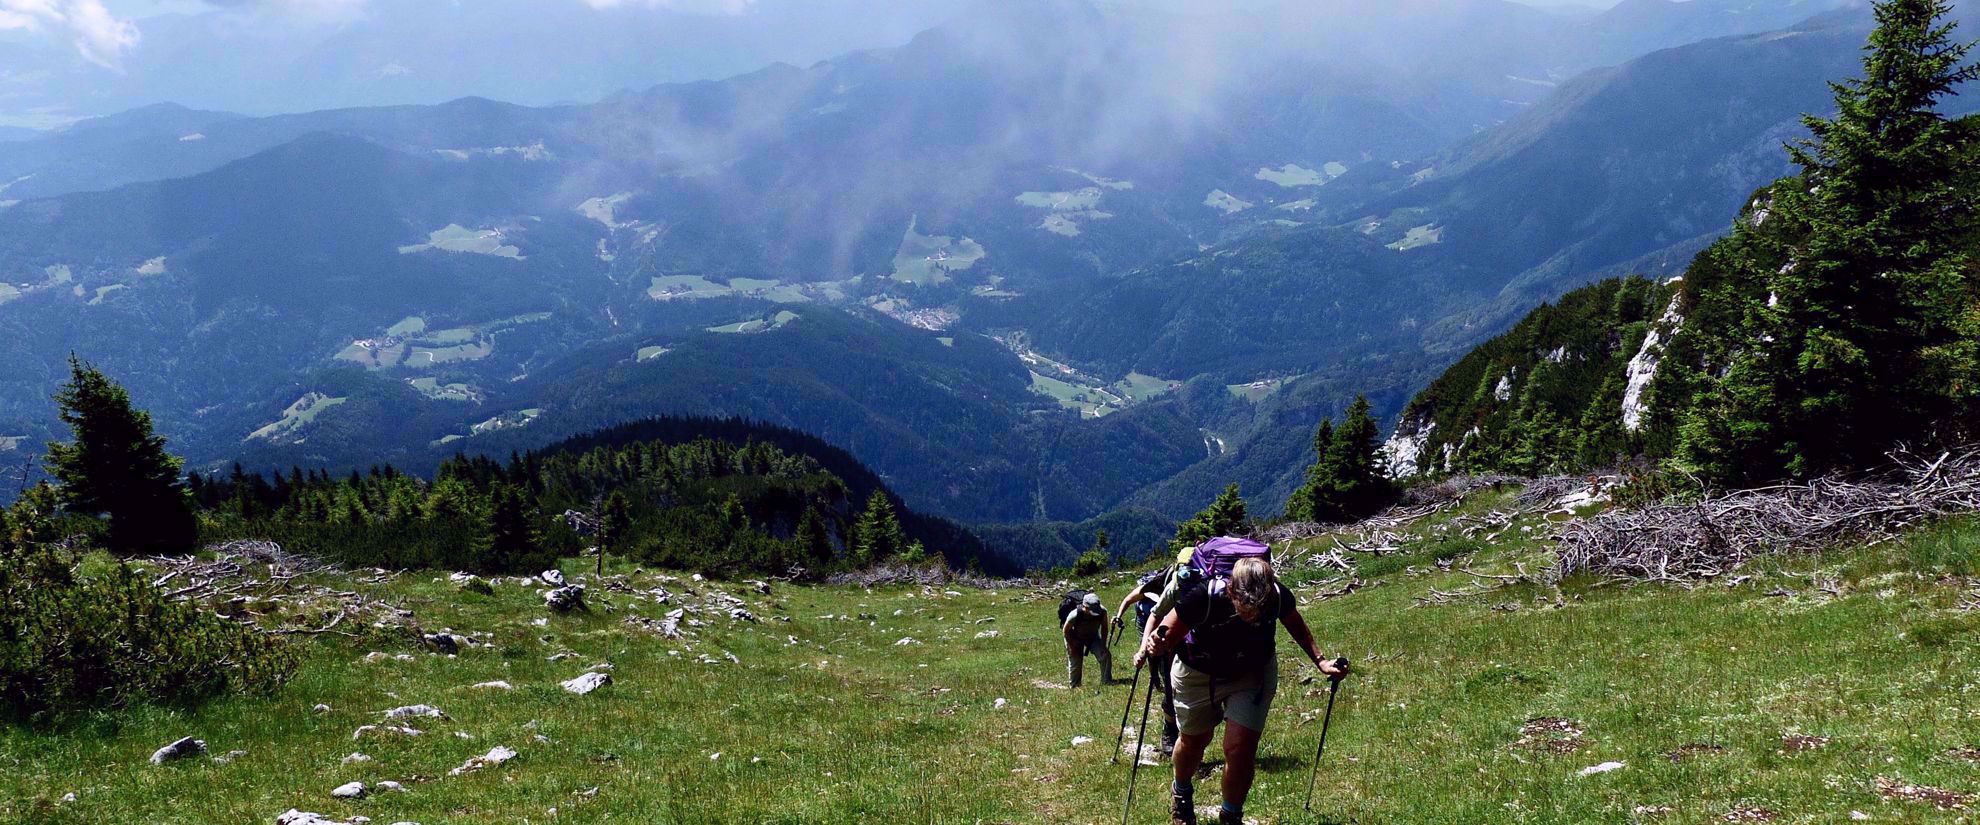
[1817, 690]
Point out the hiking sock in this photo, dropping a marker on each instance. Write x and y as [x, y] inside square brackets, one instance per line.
[1184, 789]
[1227, 813]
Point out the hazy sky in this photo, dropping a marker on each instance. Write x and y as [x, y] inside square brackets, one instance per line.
[103, 31]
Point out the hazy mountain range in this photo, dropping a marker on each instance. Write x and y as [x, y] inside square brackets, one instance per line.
[1041, 262]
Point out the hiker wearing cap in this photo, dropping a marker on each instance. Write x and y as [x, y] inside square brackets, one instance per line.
[1223, 633]
[1086, 632]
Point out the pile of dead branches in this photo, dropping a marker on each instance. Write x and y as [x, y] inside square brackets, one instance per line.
[1704, 540]
[1456, 488]
[260, 582]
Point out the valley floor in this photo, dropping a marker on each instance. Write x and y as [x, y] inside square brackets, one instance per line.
[1818, 690]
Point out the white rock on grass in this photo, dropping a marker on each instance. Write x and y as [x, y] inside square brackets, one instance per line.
[495, 685]
[588, 683]
[999, 704]
[389, 785]
[1081, 740]
[905, 641]
[565, 599]
[415, 711]
[322, 709]
[356, 757]
[494, 758]
[349, 790]
[988, 634]
[1605, 767]
[296, 817]
[401, 730]
[554, 578]
[178, 750]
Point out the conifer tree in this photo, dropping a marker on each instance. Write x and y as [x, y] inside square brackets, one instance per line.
[614, 522]
[879, 531]
[1857, 344]
[118, 466]
[1227, 516]
[1346, 480]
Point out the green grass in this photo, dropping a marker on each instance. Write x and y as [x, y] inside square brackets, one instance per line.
[1293, 175]
[298, 415]
[928, 259]
[826, 719]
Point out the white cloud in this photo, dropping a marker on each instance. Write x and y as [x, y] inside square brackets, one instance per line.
[101, 37]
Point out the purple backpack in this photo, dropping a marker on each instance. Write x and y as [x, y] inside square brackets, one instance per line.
[1214, 559]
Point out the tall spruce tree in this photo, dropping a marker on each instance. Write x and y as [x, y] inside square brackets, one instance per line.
[117, 466]
[1863, 337]
[1346, 480]
[614, 523]
[878, 534]
[1226, 516]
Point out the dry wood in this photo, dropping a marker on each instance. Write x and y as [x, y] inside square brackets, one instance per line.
[1712, 538]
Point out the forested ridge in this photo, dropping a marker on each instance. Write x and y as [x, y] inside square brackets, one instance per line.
[1839, 319]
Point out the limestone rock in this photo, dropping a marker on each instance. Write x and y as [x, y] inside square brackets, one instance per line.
[178, 750]
[415, 711]
[588, 683]
[565, 599]
[494, 758]
[349, 790]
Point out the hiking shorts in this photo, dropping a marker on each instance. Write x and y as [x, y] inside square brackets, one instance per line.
[1241, 699]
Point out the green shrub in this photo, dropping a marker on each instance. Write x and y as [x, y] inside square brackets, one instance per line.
[79, 636]
[1091, 563]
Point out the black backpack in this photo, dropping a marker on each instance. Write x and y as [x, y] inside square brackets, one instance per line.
[1069, 603]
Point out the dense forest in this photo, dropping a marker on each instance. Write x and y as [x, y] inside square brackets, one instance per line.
[721, 497]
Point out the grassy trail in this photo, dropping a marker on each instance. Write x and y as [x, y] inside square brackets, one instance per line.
[827, 717]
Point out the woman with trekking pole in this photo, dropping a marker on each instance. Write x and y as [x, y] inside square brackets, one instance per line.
[1227, 672]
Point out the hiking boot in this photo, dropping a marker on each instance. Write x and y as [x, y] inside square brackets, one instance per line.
[1168, 744]
[1226, 817]
[1182, 810]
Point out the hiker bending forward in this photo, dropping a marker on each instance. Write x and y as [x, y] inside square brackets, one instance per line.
[1086, 630]
[1223, 632]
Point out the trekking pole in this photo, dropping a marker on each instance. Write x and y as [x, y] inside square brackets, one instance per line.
[1334, 686]
[1135, 772]
[1122, 736]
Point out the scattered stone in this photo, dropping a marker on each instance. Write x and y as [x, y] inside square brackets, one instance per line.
[494, 758]
[228, 757]
[400, 730]
[587, 683]
[565, 599]
[356, 757]
[415, 711]
[178, 750]
[1605, 767]
[558, 657]
[988, 634]
[1652, 810]
[1796, 743]
[1968, 754]
[349, 790]
[742, 615]
[68, 797]
[295, 817]
[1081, 740]
[1042, 684]
[1548, 734]
[1750, 813]
[1859, 816]
[1944, 800]
[999, 704]
[905, 641]
[389, 785]
[762, 587]
[495, 685]
[554, 578]
[1694, 749]
[447, 643]
[322, 709]
[470, 583]
[986, 620]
